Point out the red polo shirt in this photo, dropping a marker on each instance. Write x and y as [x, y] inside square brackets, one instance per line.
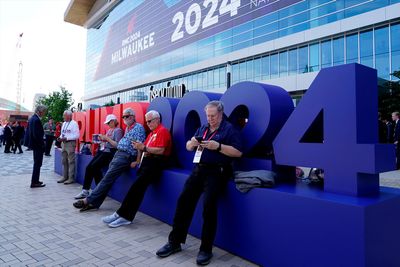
[160, 137]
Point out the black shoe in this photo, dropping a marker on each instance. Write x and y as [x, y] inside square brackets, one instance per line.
[79, 204]
[20, 152]
[168, 249]
[48, 155]
[40, 182]
[87, 208]
[37, 185]
[204, 258]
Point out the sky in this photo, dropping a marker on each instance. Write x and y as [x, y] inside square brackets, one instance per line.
[52, 51]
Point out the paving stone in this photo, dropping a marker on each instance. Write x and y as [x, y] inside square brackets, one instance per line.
[39, 227]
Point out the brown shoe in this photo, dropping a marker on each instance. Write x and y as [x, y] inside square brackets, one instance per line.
[61, 181]
[69, 181]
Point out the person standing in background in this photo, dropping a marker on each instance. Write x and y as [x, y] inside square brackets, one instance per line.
[36, 134]
[396, 136]
[18, 134]
[68, 138]
[1, 134]
[7, 137]
[49, 130]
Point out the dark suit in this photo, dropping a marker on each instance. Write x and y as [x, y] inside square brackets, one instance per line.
[18, 135]
[7, 138]
[36, 143]
[396, 137]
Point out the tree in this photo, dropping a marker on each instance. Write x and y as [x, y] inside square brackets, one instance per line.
[57, 102]
[109, 104]
[389, 97]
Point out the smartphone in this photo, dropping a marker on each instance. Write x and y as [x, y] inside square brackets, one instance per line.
[95, 139]
[199, 138]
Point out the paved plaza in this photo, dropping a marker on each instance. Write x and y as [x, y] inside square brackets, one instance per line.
[39, 227]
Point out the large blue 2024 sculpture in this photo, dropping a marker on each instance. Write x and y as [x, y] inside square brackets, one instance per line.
[353, 223]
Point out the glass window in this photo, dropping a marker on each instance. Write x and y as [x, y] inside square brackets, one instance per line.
[235, 73]
[338, 51]
[395, 41]
[216, 77]
[222, 76]
[352, 48]
[204, 85]
[314, 57]
[242, 71]
[382, 52]
[265, 68]
[283, 64]
[250, 70]
[326, 54]
[274, 66]
[395, 37]
[292, 62]
[366, 49]
[210, 78]
[303, 59]
[257, 69]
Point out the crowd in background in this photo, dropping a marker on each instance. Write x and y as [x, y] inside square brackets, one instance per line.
[14, 135]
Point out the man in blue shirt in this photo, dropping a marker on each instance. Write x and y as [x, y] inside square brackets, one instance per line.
[216, 144]
[125, 157]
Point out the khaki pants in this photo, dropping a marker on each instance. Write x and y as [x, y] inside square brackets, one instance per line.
[68, 160]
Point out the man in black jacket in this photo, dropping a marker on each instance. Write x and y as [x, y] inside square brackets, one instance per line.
[18, 134]
[36, 143]
[7, 138]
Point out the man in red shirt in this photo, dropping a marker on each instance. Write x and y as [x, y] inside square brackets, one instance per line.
[155, 150]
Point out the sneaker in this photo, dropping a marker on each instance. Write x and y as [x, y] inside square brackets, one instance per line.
[168, 249]
[204, 258]
[110, 218]
[119, 222]
[82, 194]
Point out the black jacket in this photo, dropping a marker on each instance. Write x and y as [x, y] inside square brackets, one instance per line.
[36, 133]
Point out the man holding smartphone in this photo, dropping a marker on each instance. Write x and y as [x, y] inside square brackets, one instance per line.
[216, 144]
[155, 151]
[124, 157]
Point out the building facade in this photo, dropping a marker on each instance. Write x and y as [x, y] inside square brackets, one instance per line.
[140, 49]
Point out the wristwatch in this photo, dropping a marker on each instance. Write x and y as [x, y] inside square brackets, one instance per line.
[219, 147]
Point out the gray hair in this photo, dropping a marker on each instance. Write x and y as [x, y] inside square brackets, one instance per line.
[396, 113]
[129, 111]
[215, 103]
[40, 108]
[67, 112]
[153, 114]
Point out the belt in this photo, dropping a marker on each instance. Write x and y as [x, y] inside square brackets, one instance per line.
[69, 141]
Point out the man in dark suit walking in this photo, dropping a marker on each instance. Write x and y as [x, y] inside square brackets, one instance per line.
[396, 136]
[36, 143]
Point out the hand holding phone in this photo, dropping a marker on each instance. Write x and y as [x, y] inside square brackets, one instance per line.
[199, 138]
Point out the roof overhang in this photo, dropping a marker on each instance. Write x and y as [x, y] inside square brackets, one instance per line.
[78, 11]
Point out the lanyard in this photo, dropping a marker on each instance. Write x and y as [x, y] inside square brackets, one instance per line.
[110, 132]
[205, 134]
[66, 127]
[151, 139]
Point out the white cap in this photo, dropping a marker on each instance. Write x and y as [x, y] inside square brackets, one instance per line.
[109, 118]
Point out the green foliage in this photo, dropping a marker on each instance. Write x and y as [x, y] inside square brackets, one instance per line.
[109, 104]
[389, 97]
[57, 102]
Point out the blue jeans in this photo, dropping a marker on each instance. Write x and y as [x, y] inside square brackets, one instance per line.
[119, 164]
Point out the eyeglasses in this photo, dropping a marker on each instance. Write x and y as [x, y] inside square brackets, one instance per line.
[126, 116]
[149, 121]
